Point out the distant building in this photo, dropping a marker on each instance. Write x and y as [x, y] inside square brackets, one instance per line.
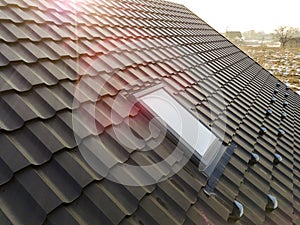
[235, 36]
[294, 42]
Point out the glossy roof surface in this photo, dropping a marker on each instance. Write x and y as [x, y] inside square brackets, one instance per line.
[60, 57]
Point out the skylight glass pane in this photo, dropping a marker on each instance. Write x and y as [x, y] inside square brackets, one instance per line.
[180, 120]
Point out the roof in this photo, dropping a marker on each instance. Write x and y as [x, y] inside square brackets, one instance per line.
[60, 57]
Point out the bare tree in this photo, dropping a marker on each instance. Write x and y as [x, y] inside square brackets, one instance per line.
[284, 33]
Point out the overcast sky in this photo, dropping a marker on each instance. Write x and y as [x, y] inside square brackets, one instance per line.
[262, 15]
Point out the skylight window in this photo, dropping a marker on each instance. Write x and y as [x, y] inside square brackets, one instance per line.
[184, 126]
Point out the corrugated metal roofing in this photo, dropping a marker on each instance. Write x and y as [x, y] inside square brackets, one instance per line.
[52, 51]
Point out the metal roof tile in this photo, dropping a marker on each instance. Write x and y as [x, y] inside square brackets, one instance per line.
[3, 60]
[76, 168]
[90, 147]
[173, 84]
[259, 180]
[7, 34]
[19, 3]
[218, 209]
[84, 211]
[278, 216]
[52, 98]
[77, 156]
[62, 131]
[40, 15]
[18, 104]
[141, 125]
[10, 120]
[262, 149]
[83, 91]
[114, 195]
[57, 18]
[89, 20]
[151, 157]
[79, 47]
[35, 74]
[137, 178]
[59, 98]
[196, 92]
[30, 146]
[82, 124]
[25, 14]
[179, 191]
[119, 147]
[60, 182]
[8, 14]
[188, 98]
[63, 6]
[253, 197]
[16, 52]
[181, 80]
[21, 212]
[40, 191]
[284, 177]
[33, 32]
[162, 209]
[87, 47]
[4, 218]
[191, 176]
[45, 135]
[6, 173]
[140, 216]
[79, 123]
[139, 192]
[162, 148]
[100, 113]
[38, 105]
[197, 215]
[14, 159]
[221, 129]
[234, 173]
[244, 130]
[53, 50]
[58, 32]
[226, 189]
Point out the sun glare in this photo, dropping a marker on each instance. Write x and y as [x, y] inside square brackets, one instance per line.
[77, 1]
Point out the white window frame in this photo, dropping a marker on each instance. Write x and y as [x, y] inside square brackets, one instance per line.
[208, 153]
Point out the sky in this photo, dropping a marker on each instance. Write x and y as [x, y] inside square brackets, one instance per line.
[260, 15]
